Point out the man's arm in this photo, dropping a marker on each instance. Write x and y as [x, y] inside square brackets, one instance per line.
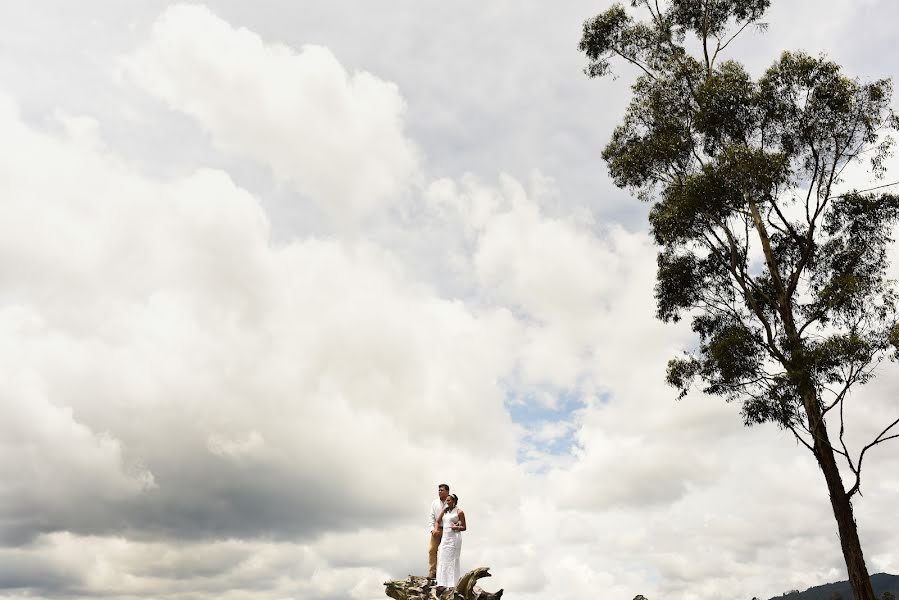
[433, 528]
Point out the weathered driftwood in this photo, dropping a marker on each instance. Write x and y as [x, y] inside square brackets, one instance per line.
[418, 588]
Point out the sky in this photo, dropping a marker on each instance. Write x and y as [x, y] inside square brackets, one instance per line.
[271, 271]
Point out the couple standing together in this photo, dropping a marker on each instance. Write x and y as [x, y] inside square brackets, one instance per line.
[447, 525]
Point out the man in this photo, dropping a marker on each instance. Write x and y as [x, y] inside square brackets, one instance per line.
[437, 506]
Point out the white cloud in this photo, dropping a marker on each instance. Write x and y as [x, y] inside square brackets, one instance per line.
[219, 364]
[571, 286]
[338, 137]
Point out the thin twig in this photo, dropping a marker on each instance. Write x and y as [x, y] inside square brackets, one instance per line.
[867, 190]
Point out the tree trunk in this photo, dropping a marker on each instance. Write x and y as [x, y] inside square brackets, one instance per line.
[840, 502]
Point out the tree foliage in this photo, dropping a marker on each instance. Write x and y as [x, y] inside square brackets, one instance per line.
[783, 277]
[782, 272]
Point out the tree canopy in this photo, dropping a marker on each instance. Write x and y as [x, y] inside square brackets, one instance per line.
[781, 269]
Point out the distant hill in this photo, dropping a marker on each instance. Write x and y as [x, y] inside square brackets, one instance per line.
[881, 582]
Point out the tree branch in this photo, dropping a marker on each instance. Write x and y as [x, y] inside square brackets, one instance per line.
[793, 233]
[769, 254]
[634, 61]
[878, 440]
[705, 38]
[739, 31]
[744, 287]
[801, 439]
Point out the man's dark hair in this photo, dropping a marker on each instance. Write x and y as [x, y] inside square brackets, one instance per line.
[444, 486]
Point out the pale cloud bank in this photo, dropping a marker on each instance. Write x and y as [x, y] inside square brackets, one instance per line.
[338, 137]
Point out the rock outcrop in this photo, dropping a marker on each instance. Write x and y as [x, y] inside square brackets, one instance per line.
[418, 588]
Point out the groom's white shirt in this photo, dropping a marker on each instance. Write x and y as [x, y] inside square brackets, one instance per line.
[436, 507]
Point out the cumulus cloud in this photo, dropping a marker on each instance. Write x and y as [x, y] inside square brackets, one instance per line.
[561, 275]
[167, 353]
[338, 137]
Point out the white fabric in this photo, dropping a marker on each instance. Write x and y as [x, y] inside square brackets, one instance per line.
[449, 551]
[436, 507]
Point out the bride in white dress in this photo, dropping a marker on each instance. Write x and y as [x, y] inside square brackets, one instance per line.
[453, 521]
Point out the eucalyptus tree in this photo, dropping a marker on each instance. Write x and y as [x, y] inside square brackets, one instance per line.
[783, 276]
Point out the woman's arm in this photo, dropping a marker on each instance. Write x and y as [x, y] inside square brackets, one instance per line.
[461, 526]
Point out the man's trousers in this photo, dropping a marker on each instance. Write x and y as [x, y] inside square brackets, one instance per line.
[432, 553]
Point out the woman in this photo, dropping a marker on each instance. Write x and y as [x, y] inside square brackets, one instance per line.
[453, 520]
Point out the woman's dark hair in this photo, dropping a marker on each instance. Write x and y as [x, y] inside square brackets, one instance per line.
[455, 499]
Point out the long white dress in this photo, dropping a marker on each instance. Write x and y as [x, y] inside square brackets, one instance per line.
[448, 571]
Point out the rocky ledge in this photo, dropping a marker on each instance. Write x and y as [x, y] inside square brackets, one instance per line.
[418, 588]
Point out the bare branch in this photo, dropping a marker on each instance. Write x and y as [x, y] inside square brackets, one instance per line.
[845, 452]
[878, 440]
[814, 318]
[705, 37]
[811, 184]
[636, 62]
[792, 231]
[849, 381]
[739, 31]
[657, 14]
[801, 439]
